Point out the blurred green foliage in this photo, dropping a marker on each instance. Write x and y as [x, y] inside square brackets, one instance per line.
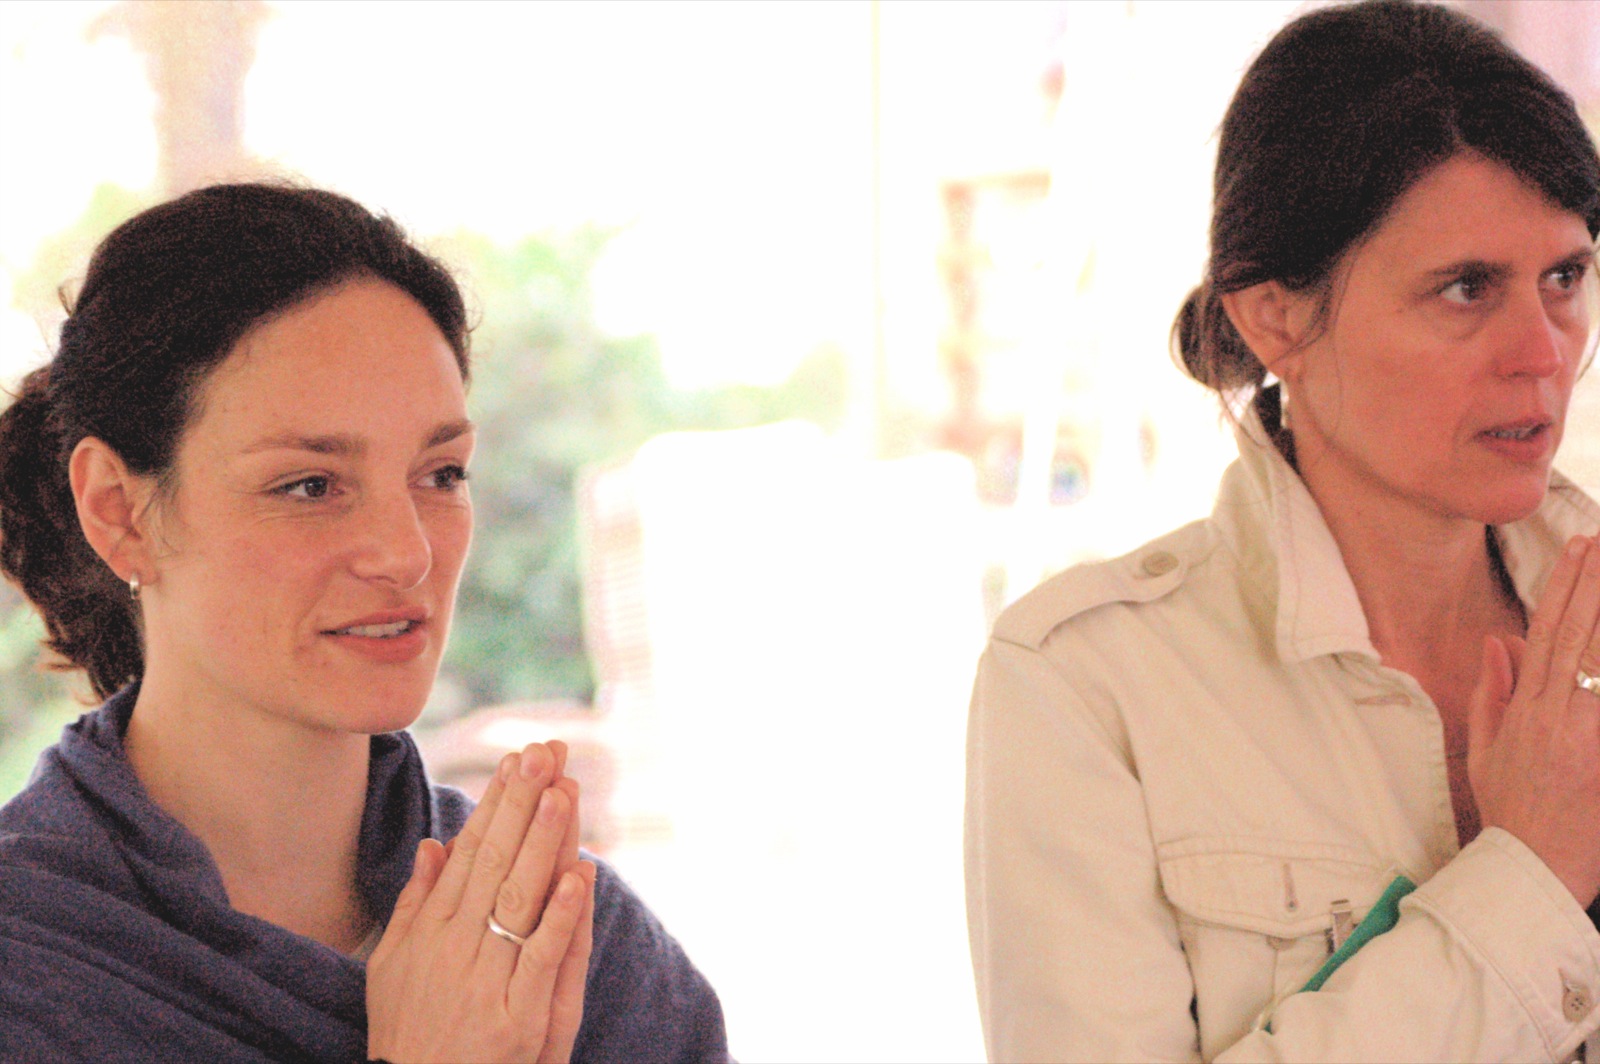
[59, 264]
[552, 394]
[34, 704]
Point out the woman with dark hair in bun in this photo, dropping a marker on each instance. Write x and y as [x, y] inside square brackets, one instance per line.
[237, 495]
[1318, 778]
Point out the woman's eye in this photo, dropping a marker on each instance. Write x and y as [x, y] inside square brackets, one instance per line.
[1566, 278]
[447, 478]
[306, 488]
[1464, 291]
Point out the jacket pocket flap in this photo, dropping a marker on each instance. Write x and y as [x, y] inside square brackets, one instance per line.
[1276, 888]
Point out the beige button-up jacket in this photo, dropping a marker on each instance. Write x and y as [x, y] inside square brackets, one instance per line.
[1183, 762]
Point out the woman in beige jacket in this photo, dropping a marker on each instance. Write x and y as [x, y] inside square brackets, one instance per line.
[1205, 778]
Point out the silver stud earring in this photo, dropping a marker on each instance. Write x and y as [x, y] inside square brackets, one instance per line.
[134, 585]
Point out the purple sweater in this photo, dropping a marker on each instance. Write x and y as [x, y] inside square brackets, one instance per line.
[117, 941]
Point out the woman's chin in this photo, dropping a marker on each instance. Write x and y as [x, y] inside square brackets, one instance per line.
[391, 722]
[1513, 504]
[364, 697]
[377, 711]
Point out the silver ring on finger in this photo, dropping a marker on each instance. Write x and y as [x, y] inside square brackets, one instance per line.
[496, 927]
[1589, 683]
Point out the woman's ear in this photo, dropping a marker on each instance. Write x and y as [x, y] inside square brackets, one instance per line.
[1273, 322]
[111, 505]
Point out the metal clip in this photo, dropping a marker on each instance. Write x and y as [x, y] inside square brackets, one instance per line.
[1340, 924]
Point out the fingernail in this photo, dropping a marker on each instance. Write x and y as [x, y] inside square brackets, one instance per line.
[533, 766]
[507, 763]
[547, 808]
[569, 887]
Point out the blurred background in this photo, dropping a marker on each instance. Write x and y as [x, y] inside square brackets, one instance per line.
[811, 335]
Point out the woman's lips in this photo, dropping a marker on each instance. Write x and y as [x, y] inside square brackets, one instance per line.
[1526, 442]
[390, 637]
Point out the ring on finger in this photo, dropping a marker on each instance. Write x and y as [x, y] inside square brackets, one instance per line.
[496, 927]
[1589, 683]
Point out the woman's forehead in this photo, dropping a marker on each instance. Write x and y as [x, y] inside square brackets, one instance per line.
[362, 361]
[1470, 207]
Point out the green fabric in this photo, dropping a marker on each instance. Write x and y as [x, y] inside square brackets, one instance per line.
[1385, 913]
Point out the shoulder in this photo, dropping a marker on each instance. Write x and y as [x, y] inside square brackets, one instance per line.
[1569, 505]
[644, 998]
[449, 809]
[1154, 572]
[50, 809]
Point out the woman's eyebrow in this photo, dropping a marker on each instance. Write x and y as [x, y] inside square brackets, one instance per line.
[450, 430]
[345, 445]
[333, 443]
[1493, 271]
[1496, 271]
[1577, 258]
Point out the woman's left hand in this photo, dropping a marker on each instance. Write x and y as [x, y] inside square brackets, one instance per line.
[442, 984]
[1533, 748]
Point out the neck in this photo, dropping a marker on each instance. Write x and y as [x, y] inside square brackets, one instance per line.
[1431, 585]
[278, 805]
[1421, 592]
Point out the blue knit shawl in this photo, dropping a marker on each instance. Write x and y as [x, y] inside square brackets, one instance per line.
[117, 941]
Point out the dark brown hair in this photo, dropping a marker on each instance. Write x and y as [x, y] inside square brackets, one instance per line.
[1342, 112]
[168, 295]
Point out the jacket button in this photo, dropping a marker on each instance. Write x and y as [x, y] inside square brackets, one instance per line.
[1158, 564]
[1575, 1003]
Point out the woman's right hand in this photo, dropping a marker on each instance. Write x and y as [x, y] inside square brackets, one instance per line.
[1533, 753]
[441, 985]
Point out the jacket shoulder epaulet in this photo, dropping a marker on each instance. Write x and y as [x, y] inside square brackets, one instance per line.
[1149, 573]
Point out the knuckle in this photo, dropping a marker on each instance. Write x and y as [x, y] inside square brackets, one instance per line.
[512, 899]
[537, 955]
[1570, 634]
[519, 798]
[490, 858]
[466, 844]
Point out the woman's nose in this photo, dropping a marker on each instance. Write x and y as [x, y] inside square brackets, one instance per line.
[393, 546]
[1532, 343]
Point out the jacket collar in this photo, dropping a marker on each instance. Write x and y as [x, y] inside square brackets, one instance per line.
[1531, 546]
[1264, 506]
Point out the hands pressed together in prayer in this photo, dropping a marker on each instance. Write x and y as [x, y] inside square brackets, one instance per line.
[1534, 730]
[445, 983]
